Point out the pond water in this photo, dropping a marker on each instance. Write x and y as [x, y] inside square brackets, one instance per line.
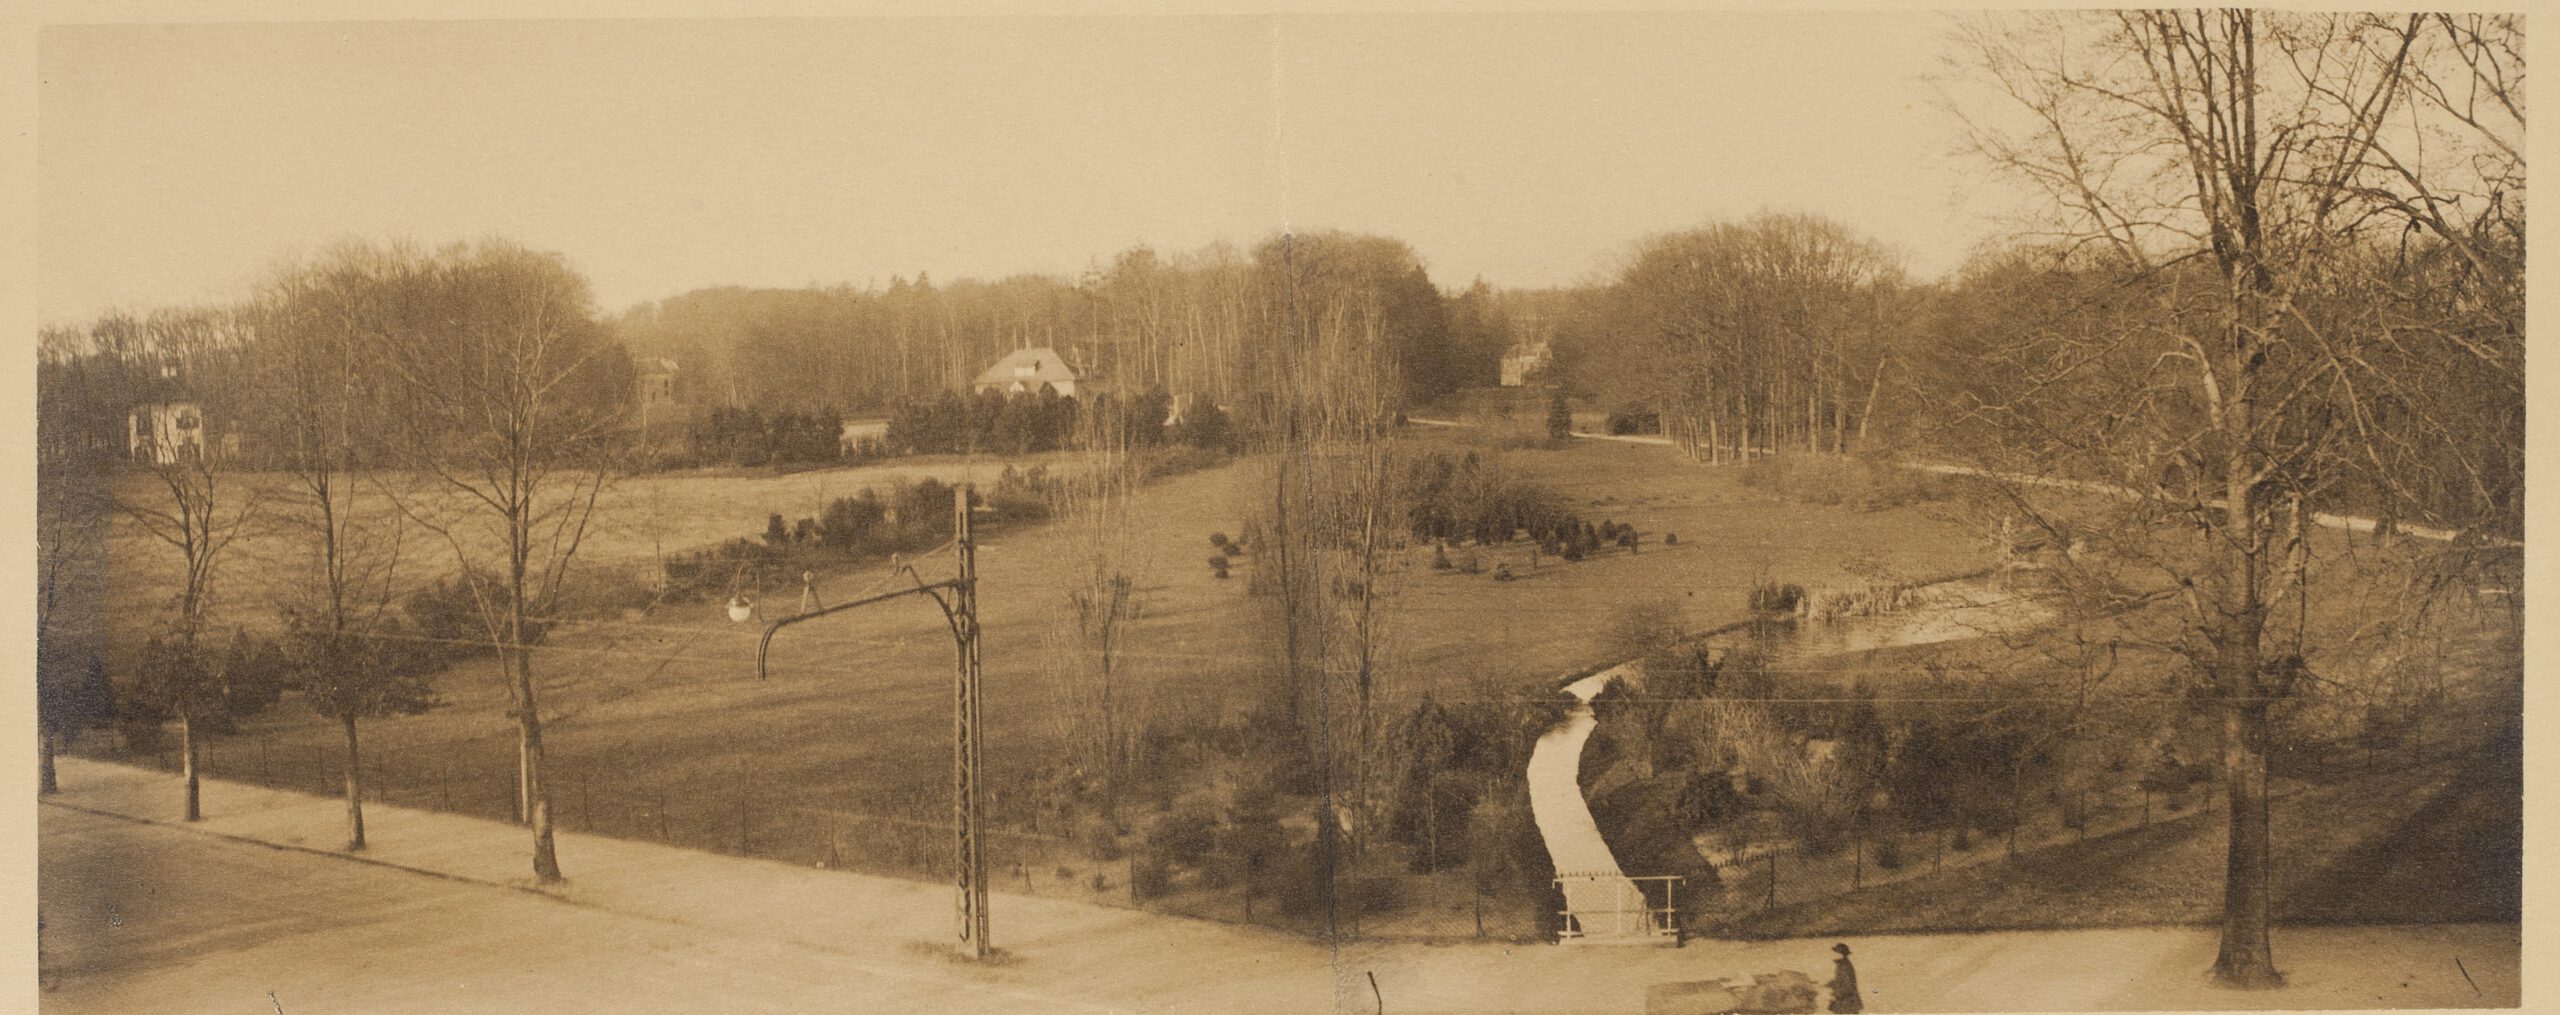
[1953, 611]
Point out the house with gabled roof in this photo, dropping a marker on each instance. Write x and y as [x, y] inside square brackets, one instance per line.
[1024, 371]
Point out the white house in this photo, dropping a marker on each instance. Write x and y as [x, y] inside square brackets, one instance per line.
[1023, 371]
[1523, 363]
[166, 433]
[857, 432]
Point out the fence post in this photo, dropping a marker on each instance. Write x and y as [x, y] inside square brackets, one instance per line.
[742, 813]
[1772, 900]
[444, 784]
[1857, 854]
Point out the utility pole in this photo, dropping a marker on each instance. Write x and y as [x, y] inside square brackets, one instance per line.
[965, 734]
[960, 611]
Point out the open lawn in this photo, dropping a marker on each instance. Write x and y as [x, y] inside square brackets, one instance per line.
[659, 727]
[638, 520]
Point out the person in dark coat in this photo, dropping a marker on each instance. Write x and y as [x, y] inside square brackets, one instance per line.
[1844, 984]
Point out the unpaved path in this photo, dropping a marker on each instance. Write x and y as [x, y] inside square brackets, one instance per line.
[1592, 881]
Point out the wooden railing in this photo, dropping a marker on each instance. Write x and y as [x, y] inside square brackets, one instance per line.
[1630, 913]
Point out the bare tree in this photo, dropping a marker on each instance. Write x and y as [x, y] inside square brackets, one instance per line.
[2236, 169]
[1101, 713]
[513, 397]
[195, 504]
[74, 512]
[1330, 538]
[322, 323]
[1760, 335]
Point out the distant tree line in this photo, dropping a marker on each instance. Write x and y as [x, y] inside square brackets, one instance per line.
[1196, 324]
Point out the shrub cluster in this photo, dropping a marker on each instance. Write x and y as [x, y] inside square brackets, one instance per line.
[447, 618]
[910, 517]
[1467, 497]
[747, 436]
[1858, 483]
[990, 422]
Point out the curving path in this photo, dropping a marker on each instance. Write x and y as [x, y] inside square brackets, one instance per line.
[1592, 880]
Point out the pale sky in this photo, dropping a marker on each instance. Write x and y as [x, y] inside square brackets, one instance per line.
[178, 162]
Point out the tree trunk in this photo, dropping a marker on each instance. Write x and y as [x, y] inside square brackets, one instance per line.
[1867, 412]
[546, 862]
[355, 787]
[524, 780]
[187, 766]
[48, 784]
[2246, 958]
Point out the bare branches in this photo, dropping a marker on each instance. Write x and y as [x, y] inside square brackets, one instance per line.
[2292, 172]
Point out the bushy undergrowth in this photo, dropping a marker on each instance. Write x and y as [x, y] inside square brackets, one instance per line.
[909, 518]
[1873, 599]
[1860, 483]
[1471, 496]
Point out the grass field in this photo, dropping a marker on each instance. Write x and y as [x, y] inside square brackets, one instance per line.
[637, 520]
[660, 729]
[659, 726]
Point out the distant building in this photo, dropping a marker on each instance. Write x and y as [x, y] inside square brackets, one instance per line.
[1023, 371]
[857, 433]
[661, 418]
[657, 382]
[166, 433]
[1524, 363]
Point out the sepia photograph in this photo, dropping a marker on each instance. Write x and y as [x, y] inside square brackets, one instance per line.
[1662, 513]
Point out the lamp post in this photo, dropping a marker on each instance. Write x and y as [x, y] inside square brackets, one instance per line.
[958, 598]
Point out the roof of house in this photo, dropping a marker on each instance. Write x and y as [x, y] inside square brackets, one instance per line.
[1032, 367]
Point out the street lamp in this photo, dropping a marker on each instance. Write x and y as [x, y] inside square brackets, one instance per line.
[958, 598]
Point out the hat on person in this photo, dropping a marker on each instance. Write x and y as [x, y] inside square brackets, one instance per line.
[1841, 948]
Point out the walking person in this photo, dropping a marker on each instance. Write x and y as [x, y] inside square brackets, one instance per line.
[1844, 984]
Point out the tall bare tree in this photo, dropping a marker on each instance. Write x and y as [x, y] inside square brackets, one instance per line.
[1330, 362]
[2250, 175]
[321, 324]
[514, 396]
[74, 514]
[179, 365]
[1101, 713]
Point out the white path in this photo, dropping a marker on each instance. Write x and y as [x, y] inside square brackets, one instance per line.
[1623, 438]
[2351, 523]
[1592, 881]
